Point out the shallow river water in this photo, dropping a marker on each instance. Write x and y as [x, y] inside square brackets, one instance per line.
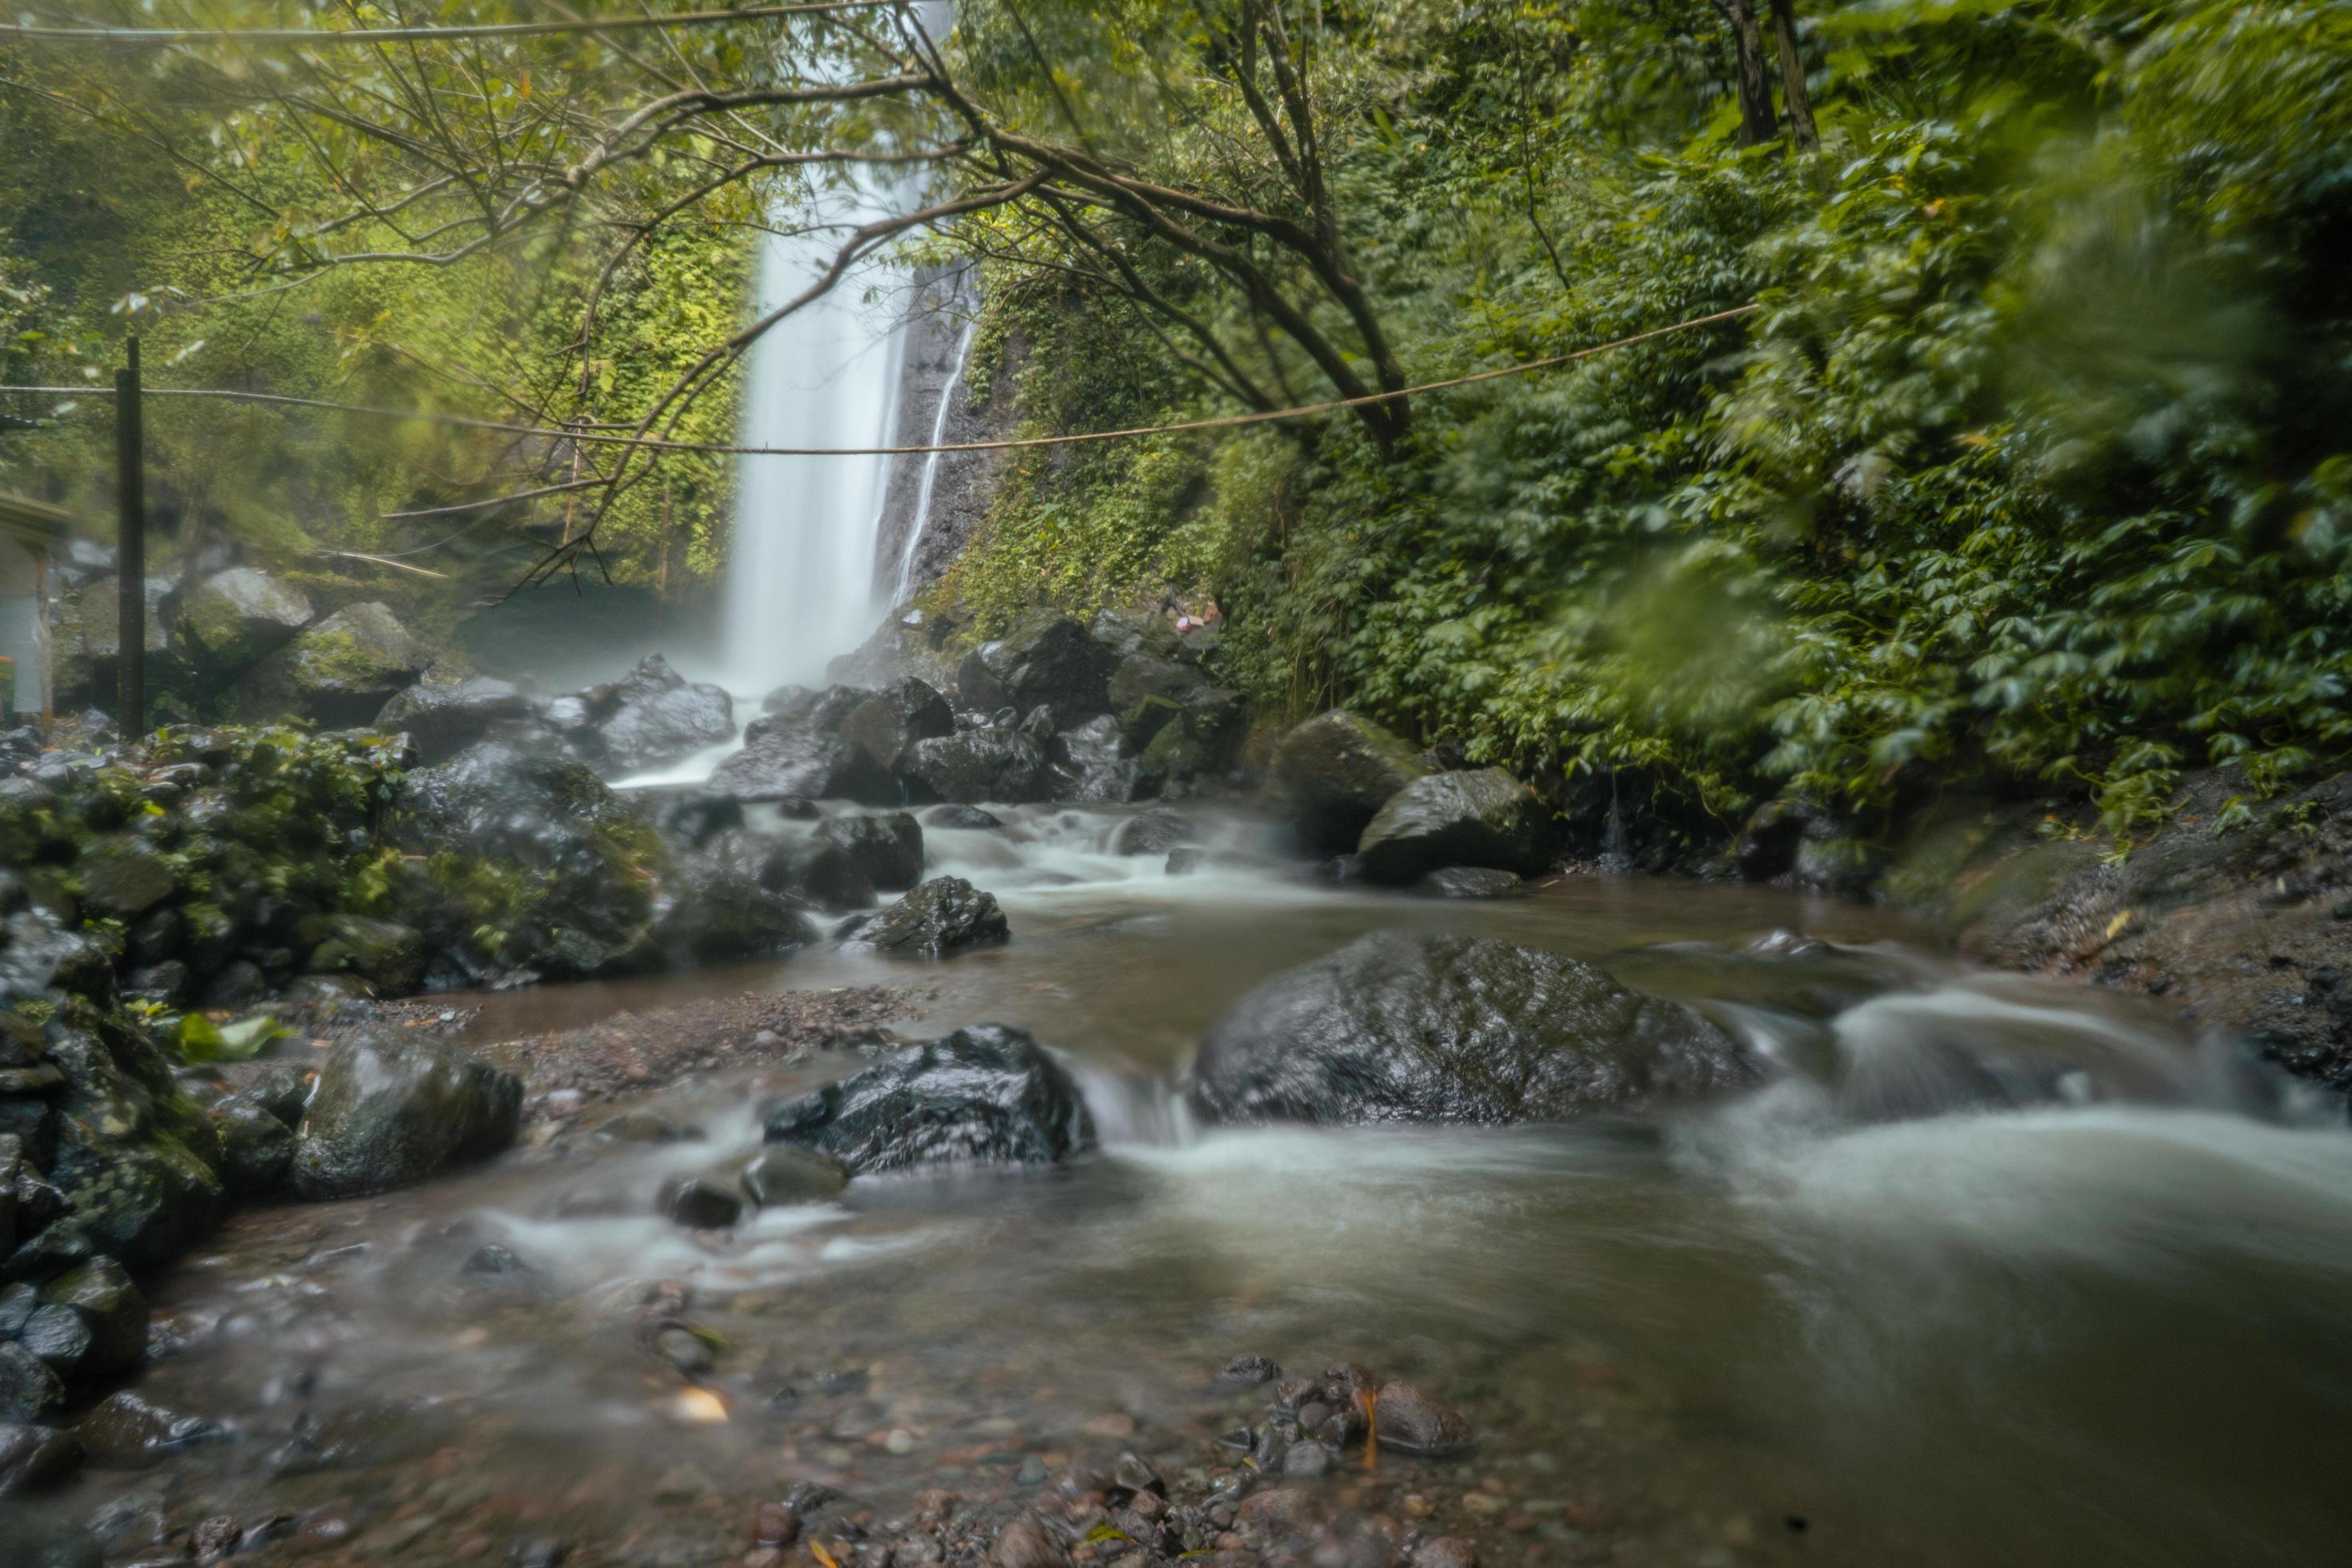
[1822, 1324]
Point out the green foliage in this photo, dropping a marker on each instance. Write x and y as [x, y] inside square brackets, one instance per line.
[136, 198]
[2032, 468]
[197, 1038]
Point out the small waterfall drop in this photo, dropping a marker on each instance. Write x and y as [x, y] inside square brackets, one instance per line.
[799, 587]
[931, 466]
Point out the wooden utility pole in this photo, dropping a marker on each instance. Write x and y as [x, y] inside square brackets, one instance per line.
[130, 553]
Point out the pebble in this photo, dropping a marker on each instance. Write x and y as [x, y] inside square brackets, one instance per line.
[1032, 1471]
[1484, 1504]
[1113, 1426]
[900, 1441]
[684, 1349]
[778, 1526]
[1024, 1543]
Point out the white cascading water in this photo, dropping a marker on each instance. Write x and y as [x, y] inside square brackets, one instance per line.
[923, 492]
[800, 588]
[802, 584]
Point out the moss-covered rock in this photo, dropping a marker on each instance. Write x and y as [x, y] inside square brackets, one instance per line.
[386, 954]
[1334, 772]
[233, 619]
[338, 673]
[389, 1111]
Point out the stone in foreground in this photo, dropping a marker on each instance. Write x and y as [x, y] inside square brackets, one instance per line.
[944, 915]
[1401, 1027]
[987, 1094]
[389, 1112]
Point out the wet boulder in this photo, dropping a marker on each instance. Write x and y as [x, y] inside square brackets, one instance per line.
[1412, 1027]
[688, 815]
[1047, 658]
[708, 911]
[1089, 764]
[823, 709]
[1470, 882]
[658, 716]
[1197, 740]
[339, 673]
[446, 712]
[991, 762]
[29, 1390]
[1145, 689]
[962, 818]
[257, 1148]
[1411, 1420]
[121, 876]
[41, 954]
[391, 1111]
[887, 847]
[988, 1094]
[136, 1159]
[798, 752]
[700, 1203]
[538, 850]
[108, 1311]
[128, 1430]
[944, 915]
[1152, 833]
[884, 725]
[817, 874]
[233, 619]
[386, 954]
[1332, 775]
[1482, 817]
[34, 1458]
[784, 1175]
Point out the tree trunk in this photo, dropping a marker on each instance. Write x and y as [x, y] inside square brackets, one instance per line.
[1757, 123]
[1792, 78]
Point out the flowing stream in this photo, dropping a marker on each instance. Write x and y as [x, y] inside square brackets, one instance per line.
[1827, 1322]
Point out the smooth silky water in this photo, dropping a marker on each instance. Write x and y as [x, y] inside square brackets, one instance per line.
[1825, 1323]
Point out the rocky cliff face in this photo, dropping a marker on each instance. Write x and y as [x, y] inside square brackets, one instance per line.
[948, 302]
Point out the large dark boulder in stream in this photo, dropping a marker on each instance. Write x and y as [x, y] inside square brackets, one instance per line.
[1481, 817]
[944, 915]
[391, 1109]
[886, 847]
[338, 674]
[798, 752]
[447, 711]
[658, 716]
[1046, 658]
[1410, 1027]
[888, 723]
[815, 873]
[708, 911]
[1332, 775]
[988, 1094]
[991, 763]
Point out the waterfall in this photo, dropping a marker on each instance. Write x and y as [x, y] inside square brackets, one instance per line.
[922, 517]
[799, 586]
